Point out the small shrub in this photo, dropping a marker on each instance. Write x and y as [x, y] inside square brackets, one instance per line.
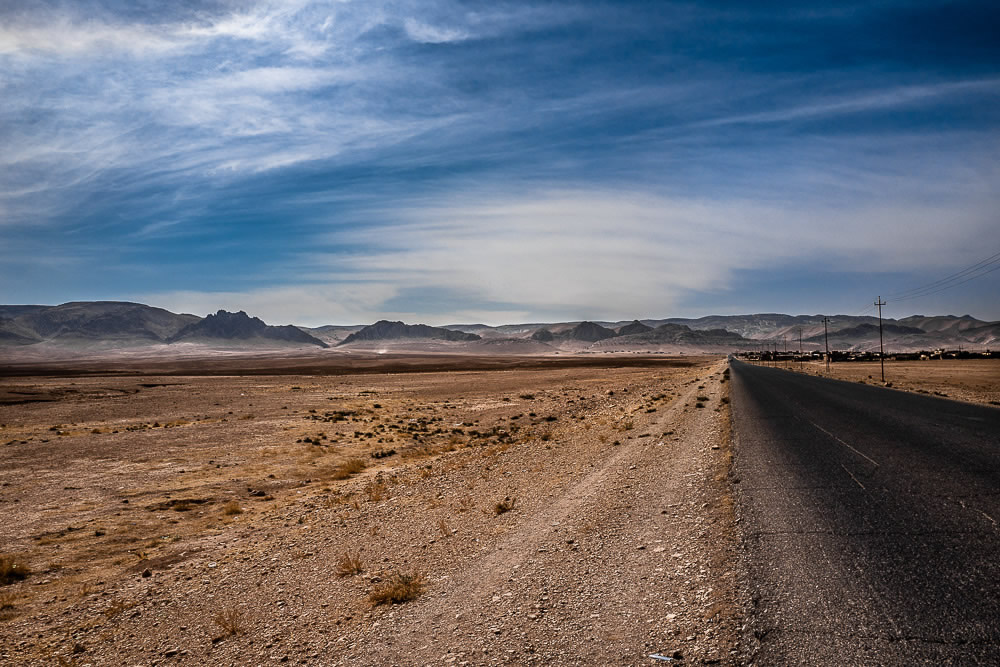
[399, 589]
[232, 508]
[230, 621]
[349, 564]
[348, 468]
[505, 505]
[12, 569]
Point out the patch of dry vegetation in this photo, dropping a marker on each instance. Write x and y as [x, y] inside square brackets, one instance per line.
[12, 569]
[349, 564]
[505, 505]
[230, 621]
[348, 469]
[232, 508]
[401, 587]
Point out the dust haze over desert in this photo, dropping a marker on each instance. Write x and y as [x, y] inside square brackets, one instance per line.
[429, 332]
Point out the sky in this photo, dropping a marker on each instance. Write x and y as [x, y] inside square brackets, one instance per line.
[446, 161]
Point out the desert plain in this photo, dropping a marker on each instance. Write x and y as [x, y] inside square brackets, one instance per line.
[396, 509]
[533, 511]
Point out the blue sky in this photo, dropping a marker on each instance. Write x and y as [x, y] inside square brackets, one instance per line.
[448, 161]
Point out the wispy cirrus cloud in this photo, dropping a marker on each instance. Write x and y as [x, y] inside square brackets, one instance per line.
[563, 255]
[619, 252]
[892, 98]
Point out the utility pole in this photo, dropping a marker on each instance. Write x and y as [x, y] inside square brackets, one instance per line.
[881, 351]
[826, 337]
[800, 348]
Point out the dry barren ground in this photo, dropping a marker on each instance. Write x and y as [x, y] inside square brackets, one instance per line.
[534, 516]
[970, 380]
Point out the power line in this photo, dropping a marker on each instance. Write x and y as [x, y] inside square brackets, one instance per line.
[977, 270]
[972, 272]
[881, 350]
[948, 287]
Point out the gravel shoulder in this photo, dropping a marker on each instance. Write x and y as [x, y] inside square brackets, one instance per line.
[617, 539]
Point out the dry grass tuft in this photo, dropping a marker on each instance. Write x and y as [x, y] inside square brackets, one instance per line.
[399, 589]
[12, 569]
[348, 469]
[349, 564]
[444, 528]
[505, 505]
[232, 508]
[230, 621]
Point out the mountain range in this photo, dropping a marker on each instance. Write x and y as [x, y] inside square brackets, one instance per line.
[110, 325]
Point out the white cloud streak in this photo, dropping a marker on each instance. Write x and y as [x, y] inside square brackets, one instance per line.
[894, 98]
[610, 255]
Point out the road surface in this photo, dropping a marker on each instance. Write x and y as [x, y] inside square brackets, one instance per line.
[870, 521]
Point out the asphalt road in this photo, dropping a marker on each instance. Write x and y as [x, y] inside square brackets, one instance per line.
[870, 522]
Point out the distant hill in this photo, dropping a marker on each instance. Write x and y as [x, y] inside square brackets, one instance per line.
[589, 332]
[239, 326]
[386, 330]
[84, 321]
[332, 333]
[866, 330]
[760, 325]
[943, 323]
[680, 334]
[543, 336]
[108, 325]
[635, 327]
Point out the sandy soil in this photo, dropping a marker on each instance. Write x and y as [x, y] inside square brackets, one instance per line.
[970, 380]
[545, 515]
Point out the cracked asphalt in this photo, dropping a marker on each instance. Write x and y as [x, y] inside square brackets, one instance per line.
[869, 519]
